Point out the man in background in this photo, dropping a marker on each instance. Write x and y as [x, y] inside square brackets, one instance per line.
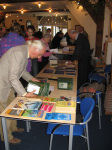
[82, 54]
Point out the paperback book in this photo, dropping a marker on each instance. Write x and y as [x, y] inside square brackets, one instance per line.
[58, 116]
[48, 71]
[59, 72]
[33, 113]
[65, 83]
[31, 105]
[47, 106]
[50, 99]
[42, 88]
[65, 104]
[14, 112]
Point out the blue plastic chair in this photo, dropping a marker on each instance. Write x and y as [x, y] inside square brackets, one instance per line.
[80, 129]
[95, 76]
[98, 98]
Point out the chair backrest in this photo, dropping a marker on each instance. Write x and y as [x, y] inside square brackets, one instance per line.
[86, 107]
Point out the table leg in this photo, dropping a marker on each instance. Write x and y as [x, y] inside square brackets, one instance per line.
[70, 137]
[4, 126]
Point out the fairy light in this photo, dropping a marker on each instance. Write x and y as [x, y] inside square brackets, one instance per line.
[50, 10]
[6, 16]
[22, 11]
[4, 6]
[39, 5]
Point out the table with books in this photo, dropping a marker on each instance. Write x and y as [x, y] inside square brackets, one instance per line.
[56, 102]
[63, 53]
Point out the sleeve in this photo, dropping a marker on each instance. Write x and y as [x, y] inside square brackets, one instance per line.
[14, 72]
[26, 75]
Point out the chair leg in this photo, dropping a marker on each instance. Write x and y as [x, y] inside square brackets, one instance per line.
[99, 111]
[87, 133]
[51, 139]
[29, 123]
[28, 126]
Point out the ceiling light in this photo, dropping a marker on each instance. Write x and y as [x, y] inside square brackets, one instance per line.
[4, 6]
[22, 11]
[39, 5]
[6, 16]
[50, 10]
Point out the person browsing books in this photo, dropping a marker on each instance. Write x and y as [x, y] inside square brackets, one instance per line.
[13, 66]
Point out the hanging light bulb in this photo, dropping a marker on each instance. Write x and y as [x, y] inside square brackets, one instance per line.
[50, 10]
[4, 6]
[39, 5]
[22, 11]
[6, 16]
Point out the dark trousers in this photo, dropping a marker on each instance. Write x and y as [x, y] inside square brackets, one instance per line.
[35, 67]
[83, 67]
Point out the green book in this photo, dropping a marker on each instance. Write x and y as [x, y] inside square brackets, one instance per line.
[65, 83]
[42, 88]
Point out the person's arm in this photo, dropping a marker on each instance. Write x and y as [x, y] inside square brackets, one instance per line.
[26, 76]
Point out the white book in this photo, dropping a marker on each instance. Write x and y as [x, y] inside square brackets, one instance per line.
[31, 87]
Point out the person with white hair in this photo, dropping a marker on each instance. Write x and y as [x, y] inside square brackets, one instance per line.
[13, 66]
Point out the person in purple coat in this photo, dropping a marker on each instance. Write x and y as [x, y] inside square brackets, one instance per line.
[12, 39]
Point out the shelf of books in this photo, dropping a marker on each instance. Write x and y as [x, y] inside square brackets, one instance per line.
[46, 110]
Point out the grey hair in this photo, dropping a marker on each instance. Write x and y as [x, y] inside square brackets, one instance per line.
[72, 31]
[37, 43]
[46, 35]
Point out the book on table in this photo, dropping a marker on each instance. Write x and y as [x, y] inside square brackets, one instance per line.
[42, 88]
[58, 116]
[29, 108]
[48, 106]
[65, 83]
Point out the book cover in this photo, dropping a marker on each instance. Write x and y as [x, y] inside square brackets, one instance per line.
[40, 113]
[47, 106]
[59, 72]
[58, 116]
[70, 73]
[48, 71]
[65, 83]
[31, 105]
[65, 104]
[14, 112]
[50, 99]
[31, 87]
[30, 113]
[44, 88]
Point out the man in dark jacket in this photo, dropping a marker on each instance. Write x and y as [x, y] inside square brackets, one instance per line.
[82, 54]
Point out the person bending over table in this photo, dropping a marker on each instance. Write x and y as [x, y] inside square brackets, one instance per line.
[13, 66]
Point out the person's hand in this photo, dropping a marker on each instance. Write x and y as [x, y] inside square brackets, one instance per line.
[31, 94]
[35, 80]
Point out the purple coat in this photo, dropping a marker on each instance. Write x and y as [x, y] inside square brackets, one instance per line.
[12, 40]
